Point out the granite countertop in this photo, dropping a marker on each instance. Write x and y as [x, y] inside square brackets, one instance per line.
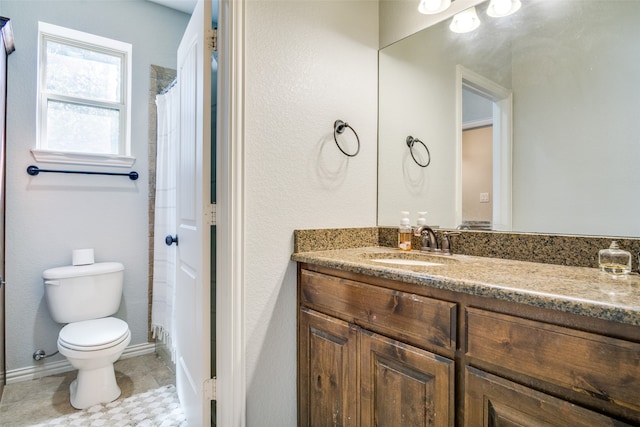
[578, 290]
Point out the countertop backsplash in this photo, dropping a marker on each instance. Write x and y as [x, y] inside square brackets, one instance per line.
[569, 250]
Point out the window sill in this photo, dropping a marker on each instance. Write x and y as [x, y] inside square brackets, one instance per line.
[71, 158]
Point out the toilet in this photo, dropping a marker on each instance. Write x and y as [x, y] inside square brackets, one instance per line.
[84, 297]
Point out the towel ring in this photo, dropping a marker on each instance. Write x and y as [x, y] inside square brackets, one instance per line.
[410, 143]
[338, 128]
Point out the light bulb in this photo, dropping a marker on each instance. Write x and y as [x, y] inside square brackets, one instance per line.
[465, 21]
[430, 7]
[500, 8]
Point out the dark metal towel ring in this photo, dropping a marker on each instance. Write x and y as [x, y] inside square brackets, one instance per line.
[410, 143]
[338, 128]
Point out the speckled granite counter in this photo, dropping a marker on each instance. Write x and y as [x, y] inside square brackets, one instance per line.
[578, 290]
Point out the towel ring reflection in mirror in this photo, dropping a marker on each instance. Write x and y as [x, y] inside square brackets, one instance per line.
[411, 141]
[338, 129]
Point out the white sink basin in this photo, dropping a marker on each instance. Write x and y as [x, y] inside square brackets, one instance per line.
[400, 261]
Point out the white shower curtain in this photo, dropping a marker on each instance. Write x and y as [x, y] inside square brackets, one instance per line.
[164, 257]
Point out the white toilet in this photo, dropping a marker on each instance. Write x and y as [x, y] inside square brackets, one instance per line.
[83, 296]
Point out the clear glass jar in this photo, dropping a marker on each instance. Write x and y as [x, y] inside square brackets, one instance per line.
[614, 260]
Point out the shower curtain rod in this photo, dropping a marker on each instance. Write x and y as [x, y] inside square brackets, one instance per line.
[35, 170]
[168, 88]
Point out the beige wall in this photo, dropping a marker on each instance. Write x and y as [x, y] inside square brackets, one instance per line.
[477, 173]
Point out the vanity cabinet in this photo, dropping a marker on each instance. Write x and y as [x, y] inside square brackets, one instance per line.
[600, 367]
[349, 375]
[494, 401]
[380, 352]
[327, 370]
[403, 385]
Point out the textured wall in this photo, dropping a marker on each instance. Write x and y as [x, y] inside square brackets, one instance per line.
[308, 63]
[49, 215]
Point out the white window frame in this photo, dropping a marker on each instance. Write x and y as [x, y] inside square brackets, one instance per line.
[124, 158]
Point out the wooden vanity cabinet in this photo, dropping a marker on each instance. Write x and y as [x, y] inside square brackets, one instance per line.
[349, 375]
[492, 401]
[376, 352]
[327, 371]
[579, 366]
[403, 385]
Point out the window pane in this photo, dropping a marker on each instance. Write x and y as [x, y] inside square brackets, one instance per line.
[81, 128]
[75, 71]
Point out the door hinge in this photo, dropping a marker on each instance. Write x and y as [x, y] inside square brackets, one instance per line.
[210, 214]
[212, 39]
[210, 389]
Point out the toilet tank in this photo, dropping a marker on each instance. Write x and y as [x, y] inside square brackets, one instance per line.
[83, 292]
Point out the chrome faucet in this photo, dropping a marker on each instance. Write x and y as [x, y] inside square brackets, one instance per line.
[429, 239]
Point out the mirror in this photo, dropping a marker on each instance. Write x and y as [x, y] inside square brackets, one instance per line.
[571, 68]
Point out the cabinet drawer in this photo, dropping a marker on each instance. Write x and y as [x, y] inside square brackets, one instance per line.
[494, 401]
[601, 367]
[422, 321]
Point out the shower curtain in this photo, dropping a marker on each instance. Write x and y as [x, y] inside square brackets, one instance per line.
[164, 257]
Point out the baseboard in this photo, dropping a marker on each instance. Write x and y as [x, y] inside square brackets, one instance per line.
[33, 372]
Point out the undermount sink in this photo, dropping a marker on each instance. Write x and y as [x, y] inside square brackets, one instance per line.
[411, 262]
[409, 259]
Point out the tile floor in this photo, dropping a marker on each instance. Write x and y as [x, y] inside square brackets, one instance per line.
[30, 402]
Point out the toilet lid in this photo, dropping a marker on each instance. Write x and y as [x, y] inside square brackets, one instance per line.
[70, 271]
[94, 334]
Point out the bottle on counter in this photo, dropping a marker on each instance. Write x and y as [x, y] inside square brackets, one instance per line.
[422, 218]
[614, 260]
[405, 232]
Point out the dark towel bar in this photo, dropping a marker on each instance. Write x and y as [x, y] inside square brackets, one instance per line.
[34, 170]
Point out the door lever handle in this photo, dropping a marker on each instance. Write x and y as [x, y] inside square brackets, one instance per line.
[170, 240]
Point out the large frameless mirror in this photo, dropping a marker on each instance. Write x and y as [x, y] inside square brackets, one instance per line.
[568, 70]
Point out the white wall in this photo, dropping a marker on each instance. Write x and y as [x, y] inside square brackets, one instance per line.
[418, 98]
[51, 214]
[576, 127]
[308, 63]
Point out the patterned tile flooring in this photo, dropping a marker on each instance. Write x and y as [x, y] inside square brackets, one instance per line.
[31, 402]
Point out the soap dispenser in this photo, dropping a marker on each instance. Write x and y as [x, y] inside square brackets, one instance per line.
[422, 218]
[614, 260]
[405, 232]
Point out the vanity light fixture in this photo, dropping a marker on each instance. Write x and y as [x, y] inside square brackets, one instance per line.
[431, 7]
[465, 21]
[500, 8]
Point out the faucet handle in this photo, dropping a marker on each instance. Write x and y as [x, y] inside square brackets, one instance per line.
[446, 241]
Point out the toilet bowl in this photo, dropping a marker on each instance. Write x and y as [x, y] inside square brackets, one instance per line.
[84, 297]
[91, 347]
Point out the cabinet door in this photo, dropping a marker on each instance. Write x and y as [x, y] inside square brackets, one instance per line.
[496, 402]
[327, 371]
[403, 385]
[602, 369]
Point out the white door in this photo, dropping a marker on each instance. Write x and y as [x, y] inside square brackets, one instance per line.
[193, 331]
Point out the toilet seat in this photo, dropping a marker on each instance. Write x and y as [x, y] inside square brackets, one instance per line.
[94, 335]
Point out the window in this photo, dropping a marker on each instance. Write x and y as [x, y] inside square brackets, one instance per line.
[84, 98]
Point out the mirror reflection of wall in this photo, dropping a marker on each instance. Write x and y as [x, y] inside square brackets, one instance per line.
[572, 67]
[477, 160]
